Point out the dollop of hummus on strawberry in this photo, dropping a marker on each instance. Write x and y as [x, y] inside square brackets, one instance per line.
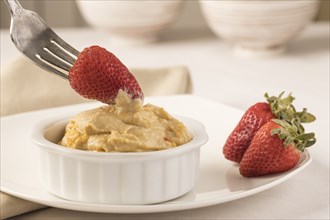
[126, 126]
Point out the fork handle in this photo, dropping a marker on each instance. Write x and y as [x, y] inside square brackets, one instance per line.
[14, 7]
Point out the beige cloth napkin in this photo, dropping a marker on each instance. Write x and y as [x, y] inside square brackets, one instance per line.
[26, 87]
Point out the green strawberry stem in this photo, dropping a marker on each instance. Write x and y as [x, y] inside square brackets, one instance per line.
[283, 109]
[294, 133]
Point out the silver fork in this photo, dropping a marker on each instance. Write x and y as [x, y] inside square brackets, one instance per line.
[32, 36]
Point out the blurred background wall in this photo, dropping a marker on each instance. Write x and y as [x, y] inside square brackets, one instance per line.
[65, 13]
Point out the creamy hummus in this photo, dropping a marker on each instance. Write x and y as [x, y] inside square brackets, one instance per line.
[126, 126]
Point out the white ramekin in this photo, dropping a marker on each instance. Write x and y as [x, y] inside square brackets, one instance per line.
[116, 178]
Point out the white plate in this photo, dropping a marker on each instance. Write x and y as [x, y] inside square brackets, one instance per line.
[219, 179]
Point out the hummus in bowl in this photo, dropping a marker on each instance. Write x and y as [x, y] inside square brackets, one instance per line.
[126, 126]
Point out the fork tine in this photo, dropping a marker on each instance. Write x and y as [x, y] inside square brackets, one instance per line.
[47, 67]
[52, 59]
[62, 44]
[55, 49]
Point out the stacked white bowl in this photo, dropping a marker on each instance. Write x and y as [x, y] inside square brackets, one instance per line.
[130, 21]
[259, 27]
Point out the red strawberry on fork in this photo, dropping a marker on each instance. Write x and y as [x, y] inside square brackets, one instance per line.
[98, 74]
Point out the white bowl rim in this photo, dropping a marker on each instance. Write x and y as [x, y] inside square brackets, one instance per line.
[197, 129]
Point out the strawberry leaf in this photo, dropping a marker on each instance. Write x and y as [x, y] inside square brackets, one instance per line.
[305, 117]
[293, 133]
[310, 143]
[306, 136]
[283, 109]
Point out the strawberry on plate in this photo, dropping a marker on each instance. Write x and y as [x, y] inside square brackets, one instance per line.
[239, 140]
[98, 74]
[256, 116]
[276, 147]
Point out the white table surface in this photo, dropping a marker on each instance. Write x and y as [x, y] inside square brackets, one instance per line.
[218, 74]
